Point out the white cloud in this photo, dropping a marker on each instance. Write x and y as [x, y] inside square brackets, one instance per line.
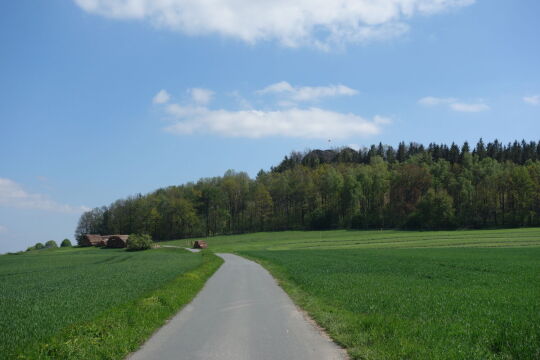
[381, 120]
[302, 123]
[179, 111]
[13, 195]
[532, 100]
[201, 96]
[290, 22]
[434, 101]
[454, 104]
[279, 87]
[3, 229]
[162, 97]
[462, 107]
[306, 93]
[196, 117]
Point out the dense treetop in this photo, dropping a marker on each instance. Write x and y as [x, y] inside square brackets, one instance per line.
[416, 187]
[516, 152]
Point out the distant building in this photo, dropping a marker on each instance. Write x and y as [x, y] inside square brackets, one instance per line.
[117, 241]
[112, 241]
[91, 240]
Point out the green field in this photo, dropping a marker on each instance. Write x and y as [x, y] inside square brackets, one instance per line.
[419, 303]
[380, 294]
[62, 292]
[350, 239]
[411, 295]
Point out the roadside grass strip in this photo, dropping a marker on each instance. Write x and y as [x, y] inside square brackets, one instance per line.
[440, 303]
[92, 303]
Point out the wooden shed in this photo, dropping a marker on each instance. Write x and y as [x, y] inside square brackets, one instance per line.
[200, 244]
[91, 240]
[117, 241]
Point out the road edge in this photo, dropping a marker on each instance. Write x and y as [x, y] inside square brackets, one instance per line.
[295, 294]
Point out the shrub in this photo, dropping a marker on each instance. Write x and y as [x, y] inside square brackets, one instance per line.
[80, 241]
[139, 242]
[65, 243]
[51, 244]
[39, 246]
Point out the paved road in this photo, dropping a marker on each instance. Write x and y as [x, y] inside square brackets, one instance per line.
[241, 314]
[181, 247]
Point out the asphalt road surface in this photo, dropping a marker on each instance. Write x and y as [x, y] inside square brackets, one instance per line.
[241, 314]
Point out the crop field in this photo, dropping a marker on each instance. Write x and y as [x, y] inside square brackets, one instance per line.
[380, 294]
[43, 292]
[350, 239]
[410, 295]
[456, 303]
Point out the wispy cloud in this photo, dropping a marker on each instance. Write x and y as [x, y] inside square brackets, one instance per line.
[201, 96]
[307, 93]
[240, 100]
[532, 100]
[3, 229]
[313, 122]
[433, 101]
[161, 97]
[292, 23]
[13, 195]
[463, 107]
[454, 104]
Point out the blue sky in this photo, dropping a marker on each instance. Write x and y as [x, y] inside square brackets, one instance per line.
[241, 83]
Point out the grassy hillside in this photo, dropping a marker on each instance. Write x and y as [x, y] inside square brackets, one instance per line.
[410, 295]
[64, 291]
[349, 239]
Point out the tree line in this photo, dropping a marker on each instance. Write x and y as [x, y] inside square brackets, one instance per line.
[516, 152]
[411, 187]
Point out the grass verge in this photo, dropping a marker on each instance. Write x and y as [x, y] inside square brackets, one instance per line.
[121, 329]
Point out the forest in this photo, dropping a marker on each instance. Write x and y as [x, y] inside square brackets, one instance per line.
[409, 187]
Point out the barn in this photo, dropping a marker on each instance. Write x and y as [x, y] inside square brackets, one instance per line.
[104, 240]
[117, 241]
[91, 240]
